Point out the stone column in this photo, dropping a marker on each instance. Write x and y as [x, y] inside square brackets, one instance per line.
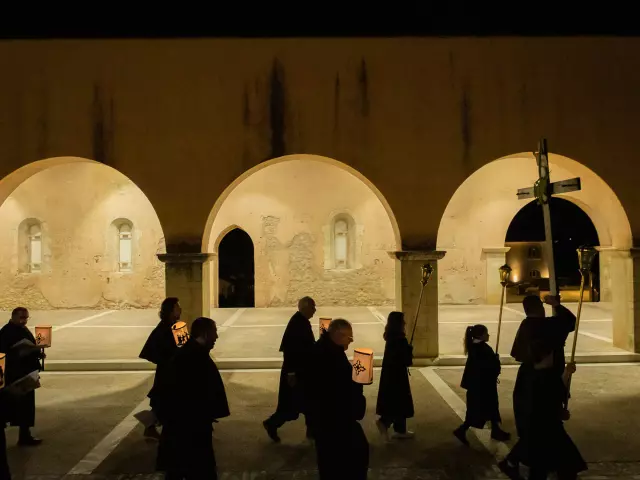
[624, 272]
[408, 286]
[183, 274]
[494, 258]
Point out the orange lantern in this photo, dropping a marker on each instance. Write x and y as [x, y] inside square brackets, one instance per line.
[363, 366]
[324, 324]
[180, 333]
[3, 359]
[43, 336]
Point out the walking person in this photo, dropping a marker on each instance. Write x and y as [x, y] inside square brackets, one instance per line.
[480, 380]
[23, 358]
[297, 342]
[395, 403]
[158, 349]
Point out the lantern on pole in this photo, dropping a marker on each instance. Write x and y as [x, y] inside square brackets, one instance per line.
[586, 255]
[324, 324]
[3, 359]
[505, 273]
[180, 333]
[362, 366]
[427, 271]
[43, 338]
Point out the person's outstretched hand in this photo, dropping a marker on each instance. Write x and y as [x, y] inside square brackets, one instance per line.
[553, 300]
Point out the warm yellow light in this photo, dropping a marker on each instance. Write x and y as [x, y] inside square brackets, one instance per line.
[363, 366]
[180, 333]
[324, 324]
[43, 336]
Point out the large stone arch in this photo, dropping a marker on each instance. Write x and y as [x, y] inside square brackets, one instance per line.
[473, 228]
[217, 223]
[116, 198]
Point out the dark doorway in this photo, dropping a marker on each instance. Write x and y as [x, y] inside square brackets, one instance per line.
[236, 270]
[571, 228]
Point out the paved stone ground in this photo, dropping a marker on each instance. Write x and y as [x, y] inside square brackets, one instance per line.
[86, 422]
[113, 336]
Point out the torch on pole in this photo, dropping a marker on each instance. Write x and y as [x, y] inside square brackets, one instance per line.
[586, 256]
[427, 271]
[505, 272]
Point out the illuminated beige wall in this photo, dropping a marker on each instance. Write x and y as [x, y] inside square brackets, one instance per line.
[522, 264]
[481, 210]
[288, 210]
[77, 205]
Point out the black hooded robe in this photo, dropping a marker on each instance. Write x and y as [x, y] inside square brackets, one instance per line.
[557, 328]
[22, 409]
[336, 404]
[480, 380]
[394, 394]
[297, 342]
[194, 398]
[159, 349]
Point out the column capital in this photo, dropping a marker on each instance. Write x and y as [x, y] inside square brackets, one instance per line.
[418, 255]
[495, 250]
[184, 257]
[633, 252]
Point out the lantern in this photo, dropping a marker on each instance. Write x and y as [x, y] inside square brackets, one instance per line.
[324, 324]
[585, 259]
[180, 333]
[505, 272]
[427, 271]
[43, 336]
[3, 358]
[363, 366]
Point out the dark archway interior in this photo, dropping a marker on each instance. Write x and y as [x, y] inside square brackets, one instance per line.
[236, 270]
[571, 227]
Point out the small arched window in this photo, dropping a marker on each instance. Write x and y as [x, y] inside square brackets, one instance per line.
[534, 273]
[35, 247]
[341, 244]
[125, 243]
[534, 253]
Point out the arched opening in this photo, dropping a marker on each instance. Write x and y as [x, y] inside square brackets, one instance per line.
[474, 227]
[571, 228]
[291, 206]
[60, 247]
[236, 270]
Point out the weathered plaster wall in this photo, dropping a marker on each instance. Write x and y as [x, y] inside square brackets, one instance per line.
[416, 116]
[287, 211]
[77, 205]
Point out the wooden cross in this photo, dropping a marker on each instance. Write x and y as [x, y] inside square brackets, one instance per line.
[542, 190]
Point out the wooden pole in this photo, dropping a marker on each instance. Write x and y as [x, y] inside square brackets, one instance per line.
[504, 288]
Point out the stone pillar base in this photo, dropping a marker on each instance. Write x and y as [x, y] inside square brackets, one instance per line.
[183, 273]
[408, 286]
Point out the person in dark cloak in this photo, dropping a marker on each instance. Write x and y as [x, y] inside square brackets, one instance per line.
[297, 342]
[336, 404]
[5, 473]
[395, 403]
[158, 349]
[547, 447]
[21, 360]
[536, 325]
[480, 380]
[194, 398]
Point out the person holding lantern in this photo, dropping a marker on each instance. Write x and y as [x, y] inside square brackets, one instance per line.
[336, 404]
[297, 342]
[158, 349]
[23, 358]
[395, 403]
[193, 398]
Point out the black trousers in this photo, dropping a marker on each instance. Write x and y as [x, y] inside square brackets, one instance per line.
[278, 419]
[198, 461]
[5, 474]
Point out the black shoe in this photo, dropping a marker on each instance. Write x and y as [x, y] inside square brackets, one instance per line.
[29, 442]
[272, 432]
[511, 471]
[500, 435]
[461, 434]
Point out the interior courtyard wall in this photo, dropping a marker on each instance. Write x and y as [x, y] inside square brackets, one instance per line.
[287, 209]
[77, 205]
